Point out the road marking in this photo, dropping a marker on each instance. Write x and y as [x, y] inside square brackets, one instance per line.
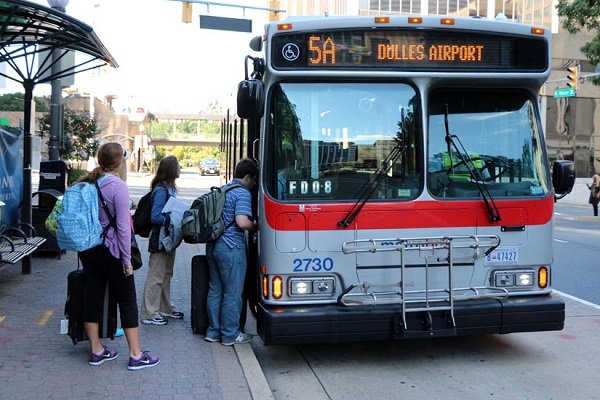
[2, 318]
[45, 317]
[577, 299]
[560, 241]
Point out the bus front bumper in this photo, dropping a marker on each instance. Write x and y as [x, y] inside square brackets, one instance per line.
[335, 323]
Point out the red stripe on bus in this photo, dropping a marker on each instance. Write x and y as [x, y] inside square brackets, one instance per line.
[405, 215]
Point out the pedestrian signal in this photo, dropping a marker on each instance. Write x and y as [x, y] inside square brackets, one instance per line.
[573, 77]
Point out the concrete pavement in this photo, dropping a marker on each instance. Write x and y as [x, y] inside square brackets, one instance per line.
[37, 362]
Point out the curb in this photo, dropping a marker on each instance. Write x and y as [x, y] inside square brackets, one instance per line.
[255, 378]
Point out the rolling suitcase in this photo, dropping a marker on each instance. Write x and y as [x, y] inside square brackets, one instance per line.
[199, 293]
[74, 309]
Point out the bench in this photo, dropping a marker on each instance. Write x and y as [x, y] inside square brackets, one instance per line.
[15, 244]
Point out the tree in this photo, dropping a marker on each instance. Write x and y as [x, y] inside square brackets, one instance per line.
[80, 140]
[581, 15]
[14, 102]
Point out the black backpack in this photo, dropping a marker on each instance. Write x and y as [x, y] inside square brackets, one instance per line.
[142, 223]
[203, 222]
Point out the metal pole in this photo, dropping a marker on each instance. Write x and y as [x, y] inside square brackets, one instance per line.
[27, 143]
[55, 110]
[56, 115]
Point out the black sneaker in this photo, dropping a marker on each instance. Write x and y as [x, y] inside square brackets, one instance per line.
[159, 320]
[172, 314]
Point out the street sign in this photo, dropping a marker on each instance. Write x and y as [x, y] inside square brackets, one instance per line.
[225, 24]
[564, 92]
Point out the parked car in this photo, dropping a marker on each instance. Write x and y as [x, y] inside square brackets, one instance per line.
[210, 166]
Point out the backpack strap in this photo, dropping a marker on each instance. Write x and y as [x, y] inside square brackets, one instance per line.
[112, 222]
[225, 189]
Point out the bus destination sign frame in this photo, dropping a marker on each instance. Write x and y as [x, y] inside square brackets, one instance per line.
[409, 49]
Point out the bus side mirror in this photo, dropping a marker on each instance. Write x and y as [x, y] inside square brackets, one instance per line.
[256, 43]
[563, 176]
[250, 99]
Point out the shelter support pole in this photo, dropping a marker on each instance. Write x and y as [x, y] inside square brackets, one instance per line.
[55, 110]
[26, 212]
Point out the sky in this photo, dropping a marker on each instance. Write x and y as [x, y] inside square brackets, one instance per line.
[165, 65]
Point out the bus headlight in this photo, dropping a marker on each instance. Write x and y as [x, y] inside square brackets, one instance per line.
[517, 278]
[317, 286]
[524, 279]
[299, 287]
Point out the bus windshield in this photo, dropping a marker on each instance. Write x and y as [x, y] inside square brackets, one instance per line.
[328, 140]
[500, 140]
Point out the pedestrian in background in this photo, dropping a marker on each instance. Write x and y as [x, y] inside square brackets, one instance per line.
[594, 193]
[111, 261]
[157, 305]
[227, 260]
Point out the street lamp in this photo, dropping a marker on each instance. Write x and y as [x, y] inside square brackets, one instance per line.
[56, 115]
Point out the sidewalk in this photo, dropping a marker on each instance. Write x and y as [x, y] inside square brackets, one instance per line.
[37, 362]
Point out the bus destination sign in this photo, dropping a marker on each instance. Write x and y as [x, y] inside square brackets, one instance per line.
[408, 49]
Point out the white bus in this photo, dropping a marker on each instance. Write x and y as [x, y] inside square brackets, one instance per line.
[404, 184]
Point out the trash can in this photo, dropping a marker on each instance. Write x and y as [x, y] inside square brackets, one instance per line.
[54, 175]
[45, 203]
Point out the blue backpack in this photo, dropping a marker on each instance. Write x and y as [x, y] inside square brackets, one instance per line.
[78, 224]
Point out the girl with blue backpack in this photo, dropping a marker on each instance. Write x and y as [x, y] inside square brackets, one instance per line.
[111, 261]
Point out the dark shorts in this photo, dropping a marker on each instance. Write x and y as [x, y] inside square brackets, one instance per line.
[99, 266]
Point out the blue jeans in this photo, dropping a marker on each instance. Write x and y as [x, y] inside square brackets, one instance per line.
[227, 269]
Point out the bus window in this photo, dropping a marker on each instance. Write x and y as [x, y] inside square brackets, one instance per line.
[329, 139]
[501, 145]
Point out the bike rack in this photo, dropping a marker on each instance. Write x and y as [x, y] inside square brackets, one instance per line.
[440, 249]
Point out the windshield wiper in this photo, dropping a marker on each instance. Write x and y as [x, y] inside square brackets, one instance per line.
[451, 140]
[368, 188]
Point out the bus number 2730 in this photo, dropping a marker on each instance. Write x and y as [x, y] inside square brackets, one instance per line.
[313, 264]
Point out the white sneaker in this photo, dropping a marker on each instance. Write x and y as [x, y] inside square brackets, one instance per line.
[172, 314]
[241, 338]
[158, 320]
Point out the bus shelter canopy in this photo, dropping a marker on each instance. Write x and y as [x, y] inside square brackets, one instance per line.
[30, 31]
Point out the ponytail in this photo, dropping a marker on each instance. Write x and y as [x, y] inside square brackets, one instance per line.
[92, 176]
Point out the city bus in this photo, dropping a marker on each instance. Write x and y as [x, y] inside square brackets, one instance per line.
[405, 190]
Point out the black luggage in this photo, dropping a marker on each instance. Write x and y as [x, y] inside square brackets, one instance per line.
[74, 309]
[199, 293]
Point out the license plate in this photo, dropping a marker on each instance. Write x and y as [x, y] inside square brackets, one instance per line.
[502, 256]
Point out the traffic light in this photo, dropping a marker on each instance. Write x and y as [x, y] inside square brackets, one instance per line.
[186, 12]
[573, 77]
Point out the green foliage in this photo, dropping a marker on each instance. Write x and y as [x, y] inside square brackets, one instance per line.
[80, 135]
[15, 102]
[182, 129]
[74, 175]
[188, 156]
[581, 15]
